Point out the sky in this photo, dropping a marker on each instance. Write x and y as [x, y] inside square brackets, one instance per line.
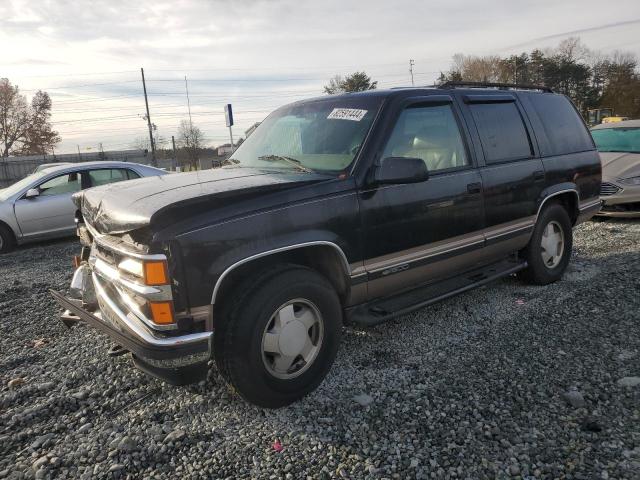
[259, 55]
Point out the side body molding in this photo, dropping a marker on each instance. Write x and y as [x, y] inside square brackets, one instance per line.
[229, 269]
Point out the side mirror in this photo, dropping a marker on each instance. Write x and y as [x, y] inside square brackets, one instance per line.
[401, 170]
[32, 193]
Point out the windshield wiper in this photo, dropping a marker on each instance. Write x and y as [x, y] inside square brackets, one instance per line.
[291, 161]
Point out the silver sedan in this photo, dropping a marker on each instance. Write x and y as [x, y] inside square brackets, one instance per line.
[40, 207]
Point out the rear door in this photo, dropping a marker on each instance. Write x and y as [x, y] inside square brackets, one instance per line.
[414, 233]
[52, 212]
[513, 176]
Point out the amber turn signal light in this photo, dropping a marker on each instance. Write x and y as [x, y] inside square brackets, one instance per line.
[161, 312]
[155, 273]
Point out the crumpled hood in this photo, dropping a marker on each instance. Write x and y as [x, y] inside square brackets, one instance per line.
[620, 164]
[126, 206]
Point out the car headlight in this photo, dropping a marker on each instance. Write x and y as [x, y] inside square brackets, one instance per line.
[152, 272]
[631, 180]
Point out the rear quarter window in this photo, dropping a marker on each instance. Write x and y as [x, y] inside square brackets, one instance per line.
[561, 124]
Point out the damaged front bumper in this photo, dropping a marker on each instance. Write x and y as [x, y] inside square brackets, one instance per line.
[176, 359]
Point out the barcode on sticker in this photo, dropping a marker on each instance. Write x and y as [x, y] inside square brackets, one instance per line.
[354, 114]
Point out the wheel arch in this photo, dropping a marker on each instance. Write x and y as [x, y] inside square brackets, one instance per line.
[8, 227]
[323, 256]
[567, 195]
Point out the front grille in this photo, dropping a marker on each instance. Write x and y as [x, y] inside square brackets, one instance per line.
[607, 189]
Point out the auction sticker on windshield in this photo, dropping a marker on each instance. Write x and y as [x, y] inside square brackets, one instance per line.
[354, 114]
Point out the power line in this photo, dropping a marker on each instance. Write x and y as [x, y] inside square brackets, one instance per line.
[79, 86]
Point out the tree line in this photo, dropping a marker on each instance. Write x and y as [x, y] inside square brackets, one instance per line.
[591, 79]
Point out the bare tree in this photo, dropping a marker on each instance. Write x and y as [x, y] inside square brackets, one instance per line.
[191, 140]
[141, 143]
[25, 128]
[473, 68]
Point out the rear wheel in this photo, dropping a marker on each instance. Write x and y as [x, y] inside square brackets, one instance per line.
[280, 336]
[549, 250]
[7, 241]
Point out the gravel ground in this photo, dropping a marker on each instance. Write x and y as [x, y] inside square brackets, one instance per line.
[507, 381]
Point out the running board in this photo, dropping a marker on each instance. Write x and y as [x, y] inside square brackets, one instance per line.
[381, 310]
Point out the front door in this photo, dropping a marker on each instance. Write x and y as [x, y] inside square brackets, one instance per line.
[415, 233]
[52, 212]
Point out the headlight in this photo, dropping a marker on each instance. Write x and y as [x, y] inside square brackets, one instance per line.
[134, 267]
[631, 180]
[152, 272]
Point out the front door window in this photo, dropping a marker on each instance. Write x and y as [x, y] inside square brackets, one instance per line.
[430, 133]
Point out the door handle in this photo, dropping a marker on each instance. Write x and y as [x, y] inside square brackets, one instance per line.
[474, 187]
[538, 175]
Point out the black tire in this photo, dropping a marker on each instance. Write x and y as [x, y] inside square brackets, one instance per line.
[238, 348]
[7, 240]
[537, 271]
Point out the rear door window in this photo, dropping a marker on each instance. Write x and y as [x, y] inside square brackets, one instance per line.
[561, 123]
[502, 131]
[104, 176]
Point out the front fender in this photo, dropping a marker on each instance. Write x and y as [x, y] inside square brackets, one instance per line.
[208, 253]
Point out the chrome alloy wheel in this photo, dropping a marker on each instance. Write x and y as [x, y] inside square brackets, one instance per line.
[552, 244]
[292, 339]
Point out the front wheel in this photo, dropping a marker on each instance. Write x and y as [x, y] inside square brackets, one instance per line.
[7, 240]
[549, 250]
[280, 336]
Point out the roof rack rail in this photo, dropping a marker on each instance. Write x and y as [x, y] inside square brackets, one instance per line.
[499, 86]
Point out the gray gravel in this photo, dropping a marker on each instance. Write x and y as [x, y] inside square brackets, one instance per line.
[507, 381]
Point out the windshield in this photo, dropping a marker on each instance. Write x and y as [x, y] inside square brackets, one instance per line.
[617, 139]
[21, 184]
[322, 136]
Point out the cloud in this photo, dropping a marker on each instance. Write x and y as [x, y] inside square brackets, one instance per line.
[576, 32]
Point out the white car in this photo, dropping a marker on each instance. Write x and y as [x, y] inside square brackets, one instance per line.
[40, 207]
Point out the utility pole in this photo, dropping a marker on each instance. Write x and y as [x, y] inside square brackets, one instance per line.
[79, 156]
[146, 102]
[411, 64]
[175, 155]
[186, 87]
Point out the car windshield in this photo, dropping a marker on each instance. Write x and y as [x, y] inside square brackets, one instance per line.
[617, 139]
[21, 184]
[322, 136]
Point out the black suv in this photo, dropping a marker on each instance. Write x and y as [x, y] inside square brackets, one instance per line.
[350, 208]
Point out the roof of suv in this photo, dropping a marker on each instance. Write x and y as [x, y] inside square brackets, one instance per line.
[465, 87]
